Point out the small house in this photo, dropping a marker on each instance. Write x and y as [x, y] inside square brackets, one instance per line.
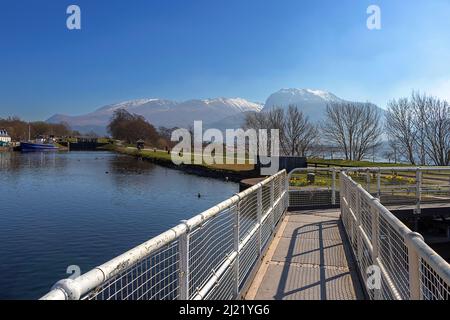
[4, 137]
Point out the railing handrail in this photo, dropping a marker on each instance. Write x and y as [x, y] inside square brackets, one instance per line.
[371, 169]
[413, 240]
[74, 289]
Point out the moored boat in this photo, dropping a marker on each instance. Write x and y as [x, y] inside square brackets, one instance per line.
[30, 146]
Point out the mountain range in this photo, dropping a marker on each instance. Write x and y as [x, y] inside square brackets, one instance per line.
[220, 113]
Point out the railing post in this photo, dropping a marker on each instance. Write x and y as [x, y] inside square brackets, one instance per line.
[418, 190]
[368, 180]
[259, 215]
[358, 224]
[375, 245]
[413, 266]
[333, 187]
[272, 202]
[183, 248]
[379, 184]
[286, 188]
[236, 246]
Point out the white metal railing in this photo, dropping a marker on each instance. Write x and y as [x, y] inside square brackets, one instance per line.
[408, 267]
[415, 186]
[214, 255]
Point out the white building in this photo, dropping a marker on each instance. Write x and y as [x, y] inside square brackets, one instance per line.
[4, 137]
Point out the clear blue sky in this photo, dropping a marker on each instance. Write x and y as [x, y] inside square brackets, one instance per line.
[180, 49]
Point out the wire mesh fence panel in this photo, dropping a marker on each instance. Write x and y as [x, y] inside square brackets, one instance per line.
[366, 216]
[248, 214]
[310, 198]
[280, 207]
[313, 188]
[398, 187]
[435, 186]
[266, 198]
[278, 186]
[432, 286]
[210, 244]
[266, 230]
[394, 254]
[365, 258]
[386, 290]
[225, 287]
[247, 259]
[153, 278]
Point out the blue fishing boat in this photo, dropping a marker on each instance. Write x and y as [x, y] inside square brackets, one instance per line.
[30, 146]
[40, 144]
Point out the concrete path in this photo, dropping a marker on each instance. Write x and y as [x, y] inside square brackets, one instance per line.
[309, 259]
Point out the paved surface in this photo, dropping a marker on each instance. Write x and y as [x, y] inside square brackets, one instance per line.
[309, 259]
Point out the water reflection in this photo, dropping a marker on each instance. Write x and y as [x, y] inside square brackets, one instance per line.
[17, 161]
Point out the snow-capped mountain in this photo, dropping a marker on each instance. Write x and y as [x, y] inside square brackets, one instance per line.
[312, 103]
[161, 112]
[220, 113]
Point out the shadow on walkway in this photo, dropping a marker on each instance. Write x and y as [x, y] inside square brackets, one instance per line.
[312, 261]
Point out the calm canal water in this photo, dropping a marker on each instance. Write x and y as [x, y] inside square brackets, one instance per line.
[84, 208]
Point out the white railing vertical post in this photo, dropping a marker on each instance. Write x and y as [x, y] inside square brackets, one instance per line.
[342, 193]
[413, 266]
[359, 239]
[272, 202]
[259, 215]
[418, 190]
[333, 187]
[379, 184]
[183, 248]
[236, 246]
[286, 188]
[375, 244]
[368, 180]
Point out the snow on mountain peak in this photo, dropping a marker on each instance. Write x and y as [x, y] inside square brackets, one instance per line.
[127, 104]
[311, 102]
[307, 94]
[162, 112]
[238, 104]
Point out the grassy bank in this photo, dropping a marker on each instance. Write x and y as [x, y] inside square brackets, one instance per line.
[233, 172]
[165, 156]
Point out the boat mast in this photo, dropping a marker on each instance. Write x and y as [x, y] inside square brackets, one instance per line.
[29, 132]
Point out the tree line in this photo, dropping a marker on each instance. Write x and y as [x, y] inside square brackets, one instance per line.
[20, 130]
[417, 129]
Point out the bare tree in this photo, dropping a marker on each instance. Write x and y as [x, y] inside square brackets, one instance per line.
[297, 134]
[256, 120]
[354, 127]
[400, 127]
[419, 108]
[434, 120]
[420, 127]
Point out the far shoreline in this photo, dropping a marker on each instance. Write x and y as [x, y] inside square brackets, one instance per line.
[163, 159]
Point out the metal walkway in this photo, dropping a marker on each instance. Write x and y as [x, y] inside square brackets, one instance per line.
[309, 259]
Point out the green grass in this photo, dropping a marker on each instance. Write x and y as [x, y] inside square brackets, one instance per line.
[164, 156]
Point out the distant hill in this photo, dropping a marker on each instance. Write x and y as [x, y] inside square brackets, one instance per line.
[220, 113]
[312, 103]
[161, 112]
